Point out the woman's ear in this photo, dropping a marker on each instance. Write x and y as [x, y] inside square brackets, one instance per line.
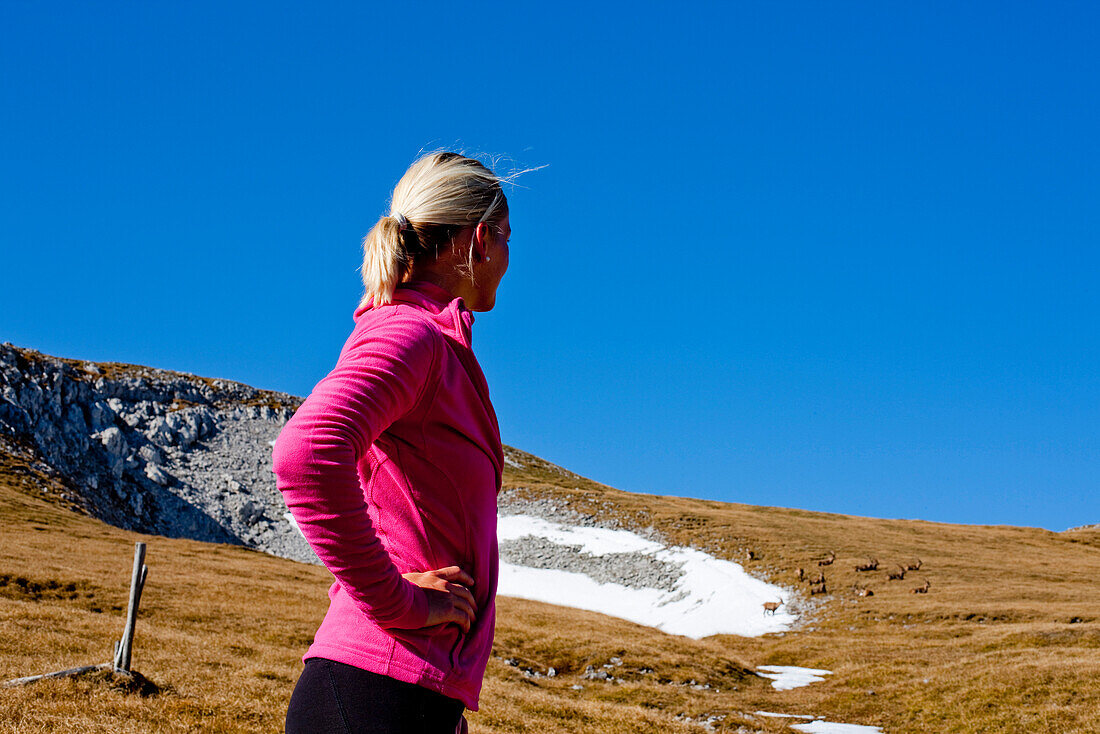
[482, 232]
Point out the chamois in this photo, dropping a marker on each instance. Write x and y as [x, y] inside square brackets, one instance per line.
[828, 561]
[819, 579]
[914, 566]
[921, 589]
[871, 565]
[801, 573]
[771, 606]
[863, 591]
[896, 575]
[751, 555]
[819, 588]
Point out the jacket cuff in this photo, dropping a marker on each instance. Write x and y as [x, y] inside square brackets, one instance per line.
[418, 612]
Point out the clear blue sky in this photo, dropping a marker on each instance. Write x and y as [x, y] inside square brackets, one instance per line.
[833, 256]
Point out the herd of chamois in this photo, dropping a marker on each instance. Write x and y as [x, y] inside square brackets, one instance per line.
[818, 583]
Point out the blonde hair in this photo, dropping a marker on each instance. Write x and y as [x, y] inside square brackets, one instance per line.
[438, 196]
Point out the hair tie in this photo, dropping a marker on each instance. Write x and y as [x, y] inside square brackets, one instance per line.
[402, 223]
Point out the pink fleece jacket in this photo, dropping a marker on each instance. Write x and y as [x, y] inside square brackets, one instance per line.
[392, 465]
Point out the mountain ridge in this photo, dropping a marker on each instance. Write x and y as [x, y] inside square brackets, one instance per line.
[53, 407]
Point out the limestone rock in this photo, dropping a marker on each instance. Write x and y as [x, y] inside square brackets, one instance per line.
[153, 450]
[155, 473]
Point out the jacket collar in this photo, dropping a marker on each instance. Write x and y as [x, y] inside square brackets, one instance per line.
[447, 311]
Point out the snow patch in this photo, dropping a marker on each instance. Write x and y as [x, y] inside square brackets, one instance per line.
[713, 596]
[786, 677]
[820, 726]
[829, 727]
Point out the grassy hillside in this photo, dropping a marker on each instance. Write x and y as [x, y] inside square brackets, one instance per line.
[1007, 639]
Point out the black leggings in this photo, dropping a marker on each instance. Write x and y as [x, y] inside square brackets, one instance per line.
[335, 698]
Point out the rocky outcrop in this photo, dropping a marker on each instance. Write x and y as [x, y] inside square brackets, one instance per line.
[153, 450]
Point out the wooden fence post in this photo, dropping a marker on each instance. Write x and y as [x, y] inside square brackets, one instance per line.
[123, 647]
[137, 582]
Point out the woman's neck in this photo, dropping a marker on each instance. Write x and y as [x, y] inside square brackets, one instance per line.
[449, 279]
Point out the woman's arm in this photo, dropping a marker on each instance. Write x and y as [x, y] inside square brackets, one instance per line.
[380, 376]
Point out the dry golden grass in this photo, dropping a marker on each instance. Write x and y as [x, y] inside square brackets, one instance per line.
[1006, 640]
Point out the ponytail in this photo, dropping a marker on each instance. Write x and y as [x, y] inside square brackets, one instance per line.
[385, 261]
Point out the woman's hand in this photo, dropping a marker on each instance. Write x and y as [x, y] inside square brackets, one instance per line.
[449, 599]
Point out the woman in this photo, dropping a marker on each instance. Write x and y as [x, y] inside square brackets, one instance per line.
[392, 465]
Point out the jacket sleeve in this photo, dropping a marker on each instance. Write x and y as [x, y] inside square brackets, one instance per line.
[380, 375]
